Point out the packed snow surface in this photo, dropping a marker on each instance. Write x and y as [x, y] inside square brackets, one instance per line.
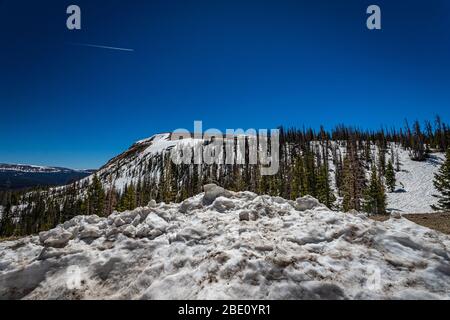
[226, 245]
[414, 190]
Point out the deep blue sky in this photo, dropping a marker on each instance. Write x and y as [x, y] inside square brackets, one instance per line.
[230, 63]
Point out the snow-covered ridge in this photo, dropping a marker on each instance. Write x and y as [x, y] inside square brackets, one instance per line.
[414, 190]
[25, 168]
[226, 245]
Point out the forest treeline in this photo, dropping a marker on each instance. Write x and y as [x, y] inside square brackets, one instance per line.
[345, 168]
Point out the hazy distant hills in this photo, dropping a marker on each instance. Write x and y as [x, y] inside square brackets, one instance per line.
[19, 176]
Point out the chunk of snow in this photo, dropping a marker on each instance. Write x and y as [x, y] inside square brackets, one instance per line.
[155, 222]
[57, 237]
[90, 231]
[307, 203]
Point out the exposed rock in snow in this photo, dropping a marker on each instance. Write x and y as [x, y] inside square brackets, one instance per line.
[244, 215]
[231, 246]
[247, 215]
[212, 192]
[396, 215]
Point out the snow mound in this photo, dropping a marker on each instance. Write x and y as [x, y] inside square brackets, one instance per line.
[229, 246]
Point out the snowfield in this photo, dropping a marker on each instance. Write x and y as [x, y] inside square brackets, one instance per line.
[415, 189]
[226, 245]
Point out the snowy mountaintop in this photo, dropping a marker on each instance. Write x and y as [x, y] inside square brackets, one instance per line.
[130, 165]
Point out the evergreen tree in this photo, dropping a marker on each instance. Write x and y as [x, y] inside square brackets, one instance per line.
[7, 227]
[367, 152]
[381, 161]
[324, 192]
[390, 176]
[310, 173]
[96, 197]
[298, 178]
[374, 197]
[263, 187]
[338, 175]
[354, 180]
[417, 143]
[128, 199]
[442, 184]
[238, 179]
[397, 162]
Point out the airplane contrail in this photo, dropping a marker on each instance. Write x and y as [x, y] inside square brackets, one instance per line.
[101, 47]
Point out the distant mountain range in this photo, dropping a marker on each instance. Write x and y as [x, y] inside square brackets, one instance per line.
[20, 176]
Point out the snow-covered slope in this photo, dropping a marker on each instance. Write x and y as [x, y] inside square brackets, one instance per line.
[415, 189]
[229, 245]
[132, 165]
[414, 192]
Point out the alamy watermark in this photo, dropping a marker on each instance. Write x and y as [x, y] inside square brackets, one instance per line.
[74, 19]
[234, 147]
[373, 281]
[74, 277]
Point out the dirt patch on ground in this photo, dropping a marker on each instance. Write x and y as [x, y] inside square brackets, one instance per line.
[436, 221]
[380, 218]
[9, 238]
